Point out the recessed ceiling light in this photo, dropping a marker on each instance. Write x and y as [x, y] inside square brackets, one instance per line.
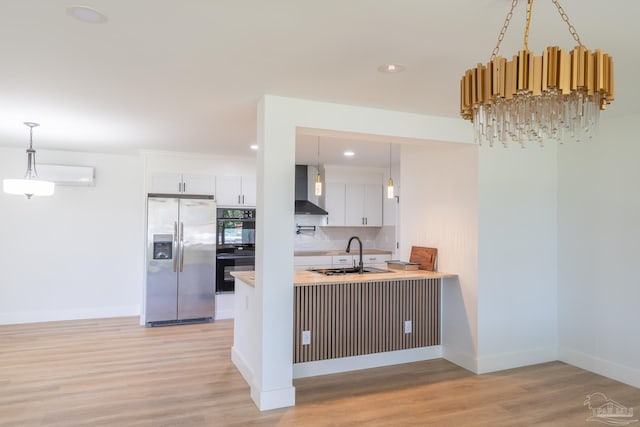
[86, 14]
[349, 153]
[391, 68]
[254, 146]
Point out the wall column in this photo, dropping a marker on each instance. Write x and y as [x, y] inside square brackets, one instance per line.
[272, 386]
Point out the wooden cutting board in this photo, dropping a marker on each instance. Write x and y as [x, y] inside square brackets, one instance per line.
[424, 256]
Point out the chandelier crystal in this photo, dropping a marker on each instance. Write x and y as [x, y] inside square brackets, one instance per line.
[556, 96]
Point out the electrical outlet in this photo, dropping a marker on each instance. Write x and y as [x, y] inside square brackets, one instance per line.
[306, 337]
[407, 326]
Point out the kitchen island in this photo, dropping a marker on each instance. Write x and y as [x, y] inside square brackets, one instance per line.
[353, 321]
[311, 278]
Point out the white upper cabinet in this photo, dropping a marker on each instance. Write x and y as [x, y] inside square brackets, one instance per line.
[334, 204]
[249, 190]
[372, 207]
[354, 205]
[363, 205]
[198, 184]
[236, 190]
[353, 198]
[179, 183]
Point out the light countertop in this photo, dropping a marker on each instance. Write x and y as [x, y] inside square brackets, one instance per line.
[341, 252]
[310, 278]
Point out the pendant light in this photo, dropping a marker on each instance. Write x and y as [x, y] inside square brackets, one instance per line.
[30, 185]
[556, 96]
[390, 183]
[318, 191]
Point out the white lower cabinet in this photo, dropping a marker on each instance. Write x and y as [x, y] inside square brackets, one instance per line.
[353, 259]
[306, 262]
[329, 261]
[375, 259]
[342, 260]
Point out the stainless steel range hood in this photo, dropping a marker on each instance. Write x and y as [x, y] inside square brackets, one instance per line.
[303, 205]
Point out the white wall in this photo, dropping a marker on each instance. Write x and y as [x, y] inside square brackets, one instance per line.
[517, 256]
[438, 208]
[162, 161]
[599, 244]
[76, 254]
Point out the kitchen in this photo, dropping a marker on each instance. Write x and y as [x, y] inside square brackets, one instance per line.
[236, 236]
[515, 225]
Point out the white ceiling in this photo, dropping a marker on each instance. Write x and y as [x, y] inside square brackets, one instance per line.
[185, 75]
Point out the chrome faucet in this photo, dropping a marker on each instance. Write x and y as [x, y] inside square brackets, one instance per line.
[361, 264]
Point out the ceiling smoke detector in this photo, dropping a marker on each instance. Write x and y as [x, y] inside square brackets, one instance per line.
[86, 14]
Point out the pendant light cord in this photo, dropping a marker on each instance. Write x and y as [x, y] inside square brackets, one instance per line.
[30, 137]
[389, 160]
[31, 153]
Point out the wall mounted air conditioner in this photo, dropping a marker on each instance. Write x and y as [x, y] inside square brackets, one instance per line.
[67, 175]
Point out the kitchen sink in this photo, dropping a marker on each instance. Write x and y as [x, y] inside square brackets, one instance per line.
[348, 270]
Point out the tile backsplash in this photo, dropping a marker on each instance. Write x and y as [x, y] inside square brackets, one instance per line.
[336, 238]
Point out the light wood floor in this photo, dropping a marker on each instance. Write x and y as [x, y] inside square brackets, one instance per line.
[112, 372]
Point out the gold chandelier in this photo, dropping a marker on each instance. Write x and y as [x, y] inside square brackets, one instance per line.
[555, 96]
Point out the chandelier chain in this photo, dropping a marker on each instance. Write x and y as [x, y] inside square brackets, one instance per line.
[565, 18]
[526, 29]
[503, 31]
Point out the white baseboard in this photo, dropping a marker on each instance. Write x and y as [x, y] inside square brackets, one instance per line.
[616, 371]
[75, 314]
[264, 400]
[502, 361]
[376, 360]
[462, 359]
[243, 366]
[273, 399]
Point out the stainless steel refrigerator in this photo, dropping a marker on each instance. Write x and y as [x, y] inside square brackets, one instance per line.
[181, 257]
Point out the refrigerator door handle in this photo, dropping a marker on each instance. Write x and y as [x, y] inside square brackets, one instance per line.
[175, 246]
[181, 246]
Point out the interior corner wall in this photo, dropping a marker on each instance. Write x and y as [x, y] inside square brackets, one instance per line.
[76, 254]
[598, 247]
[517, 256]
[438, 208]
[278, 119]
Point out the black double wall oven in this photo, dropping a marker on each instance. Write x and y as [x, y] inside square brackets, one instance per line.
[235, 249]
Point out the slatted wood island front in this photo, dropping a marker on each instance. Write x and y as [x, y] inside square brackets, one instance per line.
[356, 315]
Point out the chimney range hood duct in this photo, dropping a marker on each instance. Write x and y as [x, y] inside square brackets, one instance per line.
[303, 205]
